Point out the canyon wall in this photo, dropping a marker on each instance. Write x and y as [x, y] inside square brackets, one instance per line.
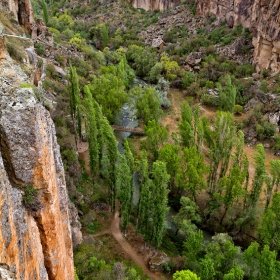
[35, 238]
[153, 5]
[262, 17]
[21, 11]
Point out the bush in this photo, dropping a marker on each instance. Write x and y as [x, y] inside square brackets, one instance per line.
[238, 109]
[209, 100]
[14, 52]
[40, 48]
[31, 199]
[265, 130]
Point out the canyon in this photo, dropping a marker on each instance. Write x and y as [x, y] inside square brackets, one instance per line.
[261, 17]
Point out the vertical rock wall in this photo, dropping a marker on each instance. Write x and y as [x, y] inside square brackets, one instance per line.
[153, 4]
[262, 17]
[34, 245]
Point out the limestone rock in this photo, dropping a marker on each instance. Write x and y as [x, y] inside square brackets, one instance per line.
[194, 58]
[35, 246]
[260, 16]
[158, 43]
[153, 4]
[157, 260]
[5, 273]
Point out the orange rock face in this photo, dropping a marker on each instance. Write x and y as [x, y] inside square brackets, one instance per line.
[35, 245]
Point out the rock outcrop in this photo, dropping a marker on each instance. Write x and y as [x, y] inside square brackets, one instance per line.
[21, 11]
[262, 17]
[153, 4]
[36, 244]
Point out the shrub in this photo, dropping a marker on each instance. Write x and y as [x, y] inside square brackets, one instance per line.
[265, 130]
[238, 109]
[209, 100]
[31, 199]
[15, 52]
[40, 48]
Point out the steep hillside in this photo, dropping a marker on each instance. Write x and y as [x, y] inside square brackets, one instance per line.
[262, 17]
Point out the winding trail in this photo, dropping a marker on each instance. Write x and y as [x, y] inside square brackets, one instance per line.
[116, 232]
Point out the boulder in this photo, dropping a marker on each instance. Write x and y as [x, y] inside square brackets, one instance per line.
[194, 58]
[157, 260]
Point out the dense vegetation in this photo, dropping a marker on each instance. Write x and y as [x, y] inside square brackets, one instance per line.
[202, 170]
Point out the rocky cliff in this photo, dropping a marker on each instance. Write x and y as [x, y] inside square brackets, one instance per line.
[153, 4]
[262, 17]
[35, 239]
[21, 10]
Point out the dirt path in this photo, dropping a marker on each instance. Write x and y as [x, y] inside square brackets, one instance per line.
[116, 232]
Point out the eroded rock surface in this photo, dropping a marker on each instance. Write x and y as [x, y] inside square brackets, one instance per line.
[262, 17]
[34, 245]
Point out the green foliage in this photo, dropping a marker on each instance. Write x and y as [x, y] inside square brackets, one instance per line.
[75, 103]
[147, 104]
[265, 130]
[40, 48]
[156, 136]
[185, 275]
[227, 96]
[45, 11]
[187, 216]
[31, 199]
[171, 69]
[187, 79]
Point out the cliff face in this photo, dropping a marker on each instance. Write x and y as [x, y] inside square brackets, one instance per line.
[34, 245]
[262, 17]
[22, 12]
[153, 4]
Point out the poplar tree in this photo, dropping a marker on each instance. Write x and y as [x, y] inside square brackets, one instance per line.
[169, 154]
[156, 136]
[109, 158]
[159, 200]
[124, 187]
[227, 96]
[143, 206]
[191, 171]
[91, 131]
[75, 103]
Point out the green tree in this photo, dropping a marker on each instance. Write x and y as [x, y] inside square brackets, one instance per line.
[220, 141]
[109, 91]
[169, 154]
[159, 200]
[156, 136]
[227, 96]
[143, 206]
[185, 275]
[147, 104]
[124, 185]
[75, 103]
[191, 171]
[109, 158]
[91, 131]
[45, 11]
[187, 216]
[269, 229]
[192, 250]
[104, 34]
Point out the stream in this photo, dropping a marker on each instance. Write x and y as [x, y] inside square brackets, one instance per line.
[126, 117]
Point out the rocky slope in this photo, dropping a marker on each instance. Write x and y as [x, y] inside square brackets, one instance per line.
[262, 17]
